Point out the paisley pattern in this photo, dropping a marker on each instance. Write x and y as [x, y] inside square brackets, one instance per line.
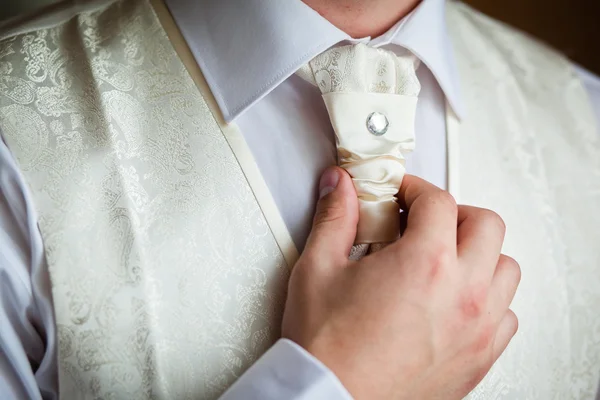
[362, 69]
[530, 151]
[167, 281]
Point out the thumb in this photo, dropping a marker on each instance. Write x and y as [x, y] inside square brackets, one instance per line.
[334, 225]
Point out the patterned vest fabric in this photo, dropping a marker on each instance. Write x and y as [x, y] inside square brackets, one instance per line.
[167, 279]
[530, 150]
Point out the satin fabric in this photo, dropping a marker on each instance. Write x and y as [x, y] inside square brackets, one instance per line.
[356, 81]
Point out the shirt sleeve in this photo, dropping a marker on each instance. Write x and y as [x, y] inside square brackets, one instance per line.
[591, 83]
[27, 331]
[287, 371]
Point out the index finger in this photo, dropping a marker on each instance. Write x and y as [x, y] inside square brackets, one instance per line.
[432, 212]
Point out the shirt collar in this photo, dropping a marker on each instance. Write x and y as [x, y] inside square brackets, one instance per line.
[247, 48]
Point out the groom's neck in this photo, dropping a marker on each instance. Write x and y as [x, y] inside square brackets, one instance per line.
[360, 18]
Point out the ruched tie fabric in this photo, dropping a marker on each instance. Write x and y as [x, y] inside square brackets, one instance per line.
[371, 96]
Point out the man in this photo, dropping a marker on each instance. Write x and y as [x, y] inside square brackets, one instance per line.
[170, 157]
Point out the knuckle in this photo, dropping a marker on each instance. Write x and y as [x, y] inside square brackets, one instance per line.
[484, 338]
[512, 266]
[440, 260]
[473, 302]
[445, 199]
[493, 220]
[514, 321]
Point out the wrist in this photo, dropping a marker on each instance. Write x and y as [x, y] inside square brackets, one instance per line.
[348, 369]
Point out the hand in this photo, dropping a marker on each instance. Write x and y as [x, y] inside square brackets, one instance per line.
[424, 318]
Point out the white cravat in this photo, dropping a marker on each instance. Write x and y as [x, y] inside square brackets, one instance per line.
[371, 97]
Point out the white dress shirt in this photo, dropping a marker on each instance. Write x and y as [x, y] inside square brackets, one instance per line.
[248, 51]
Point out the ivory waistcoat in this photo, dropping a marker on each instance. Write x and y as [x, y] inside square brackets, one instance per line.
[167, 256]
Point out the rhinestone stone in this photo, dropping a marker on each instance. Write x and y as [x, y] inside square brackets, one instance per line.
[377, 123]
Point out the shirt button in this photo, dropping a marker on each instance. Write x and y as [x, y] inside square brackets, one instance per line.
[377, 123]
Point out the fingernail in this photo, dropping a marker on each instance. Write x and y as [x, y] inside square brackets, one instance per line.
[329, 181]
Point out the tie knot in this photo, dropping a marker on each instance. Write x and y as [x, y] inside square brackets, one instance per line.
[371, 97]
[362, 69]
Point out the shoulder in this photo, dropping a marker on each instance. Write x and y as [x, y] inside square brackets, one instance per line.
[495, 59]
[482, 37]
[591, 83]
[501, 67]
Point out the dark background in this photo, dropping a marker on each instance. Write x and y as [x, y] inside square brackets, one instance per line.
[572, 26]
